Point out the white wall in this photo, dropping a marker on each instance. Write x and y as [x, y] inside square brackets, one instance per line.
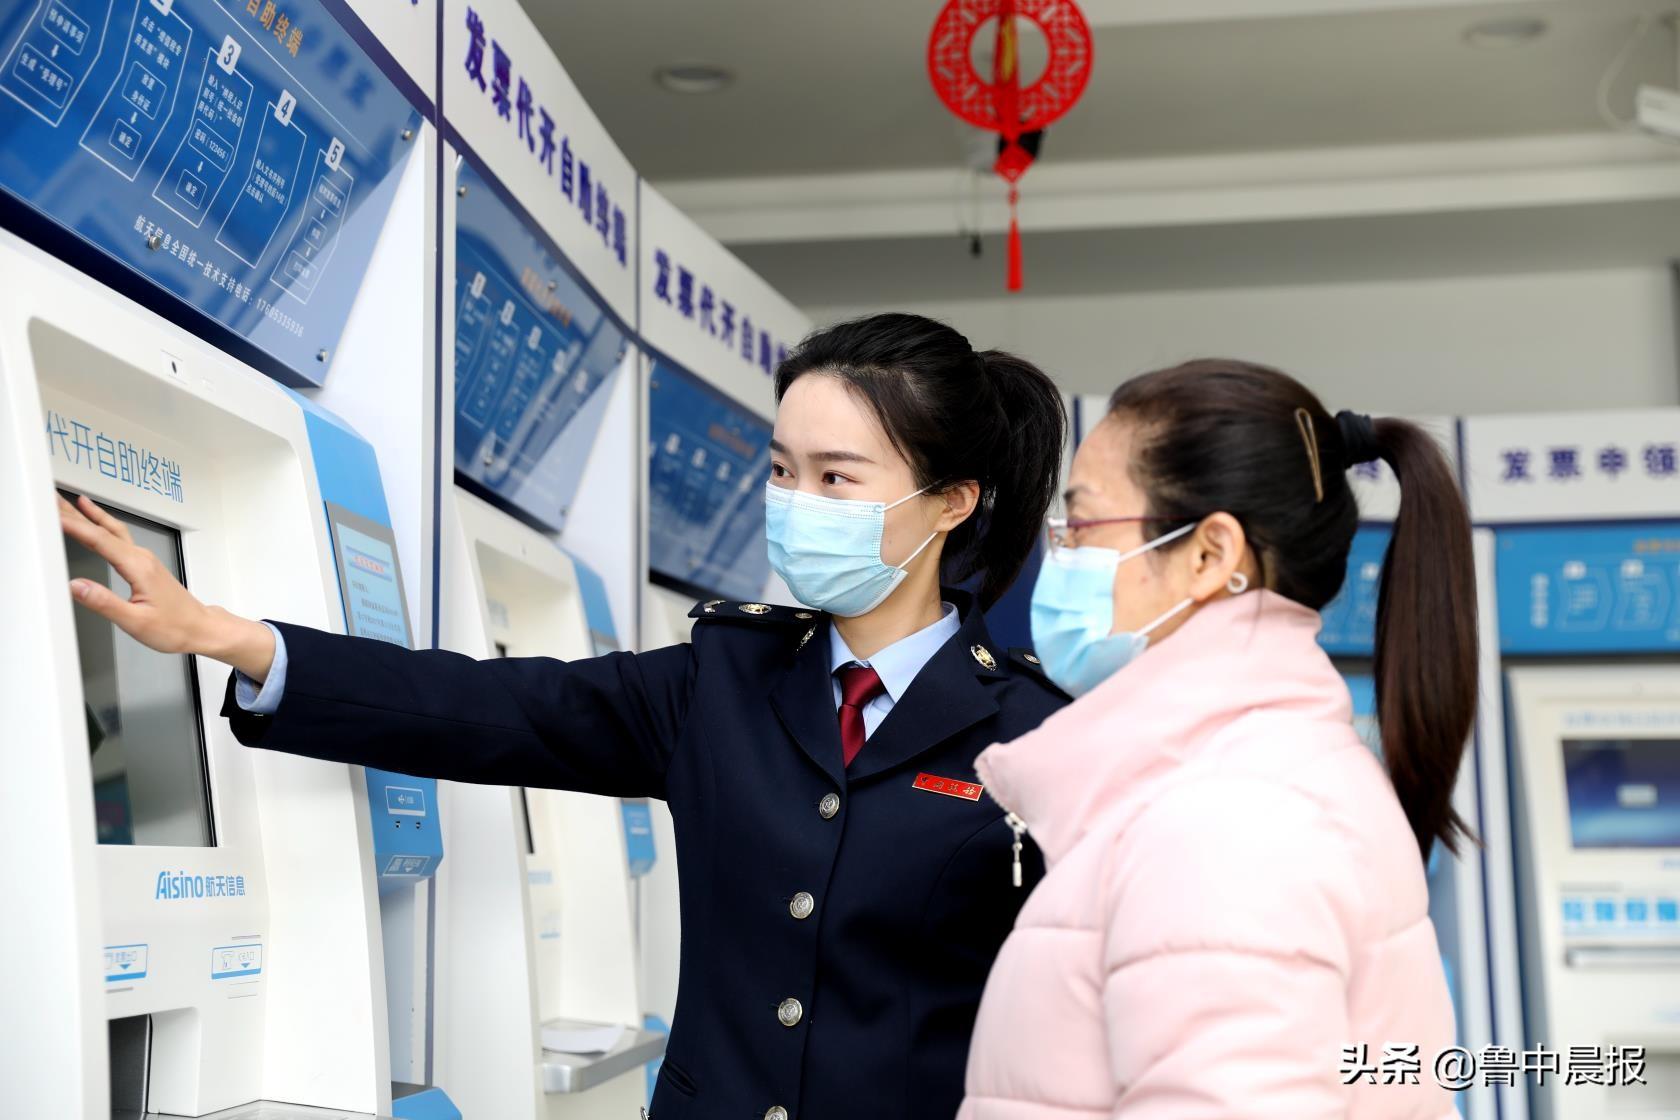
[1460, 346]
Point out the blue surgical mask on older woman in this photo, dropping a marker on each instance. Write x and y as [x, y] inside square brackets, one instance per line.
[1073, 612]
[828, 550]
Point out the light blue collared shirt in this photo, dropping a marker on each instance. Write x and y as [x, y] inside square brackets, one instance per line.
[264, 701]
[897, 665]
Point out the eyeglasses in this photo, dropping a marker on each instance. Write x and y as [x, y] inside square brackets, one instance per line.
[1059, 531]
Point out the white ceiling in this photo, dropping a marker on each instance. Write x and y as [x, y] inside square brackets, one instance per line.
[831, 134]
[841, 85]
[883, 272]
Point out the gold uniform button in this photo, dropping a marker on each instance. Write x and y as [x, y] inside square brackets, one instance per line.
[828, 806]
[1032, 658]
[801, 905]
[790, 1012]
[777, 1113]
[984, 656]
[803, 615]
[755, 608]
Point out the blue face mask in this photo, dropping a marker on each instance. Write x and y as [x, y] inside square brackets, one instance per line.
[1073, 612]
[828, 550]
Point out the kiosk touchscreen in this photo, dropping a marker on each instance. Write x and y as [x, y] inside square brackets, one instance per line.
[228, 896]
[539, 1007]
[145, 741]
[1595, 754]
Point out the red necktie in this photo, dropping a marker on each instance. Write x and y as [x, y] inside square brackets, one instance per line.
[859, 684]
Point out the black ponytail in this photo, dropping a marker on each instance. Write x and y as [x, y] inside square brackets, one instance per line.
[955, 416]
[1027, 472]
[1426, 634]
[1228, 436]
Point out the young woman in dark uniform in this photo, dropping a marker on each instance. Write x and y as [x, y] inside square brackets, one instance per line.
[845, 882]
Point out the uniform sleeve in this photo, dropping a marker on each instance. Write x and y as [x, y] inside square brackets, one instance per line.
[264, 698]
[1227, 957]
[604, 725]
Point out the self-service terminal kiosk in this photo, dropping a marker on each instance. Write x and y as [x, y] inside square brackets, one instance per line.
[540, 1013]
[193, 195]
[232, 891]
[405, 814]
[1588, 571]
[539, 978]
[708, 457]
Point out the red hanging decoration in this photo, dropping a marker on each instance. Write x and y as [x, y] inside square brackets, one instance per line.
[1001, 105]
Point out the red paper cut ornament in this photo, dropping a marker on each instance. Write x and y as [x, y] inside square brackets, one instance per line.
[1001, 105]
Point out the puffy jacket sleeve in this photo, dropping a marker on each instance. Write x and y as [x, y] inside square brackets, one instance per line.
[604, 725]
[1227, 957]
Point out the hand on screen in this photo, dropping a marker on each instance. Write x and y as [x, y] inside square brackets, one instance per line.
[158, 612]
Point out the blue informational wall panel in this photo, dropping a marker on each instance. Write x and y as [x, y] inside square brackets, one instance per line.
[708, 460]
[535, 356]
[240, 156]
[1589, 589]
[1350, 619]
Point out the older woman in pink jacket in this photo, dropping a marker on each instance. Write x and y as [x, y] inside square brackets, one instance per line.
[1235, 889]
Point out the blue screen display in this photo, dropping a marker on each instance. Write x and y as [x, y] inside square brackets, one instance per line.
[1623, 793]
[1589, 589]
[534, 358]
[240, 156]
[708, 459]
[1350, 619]
[372, 594]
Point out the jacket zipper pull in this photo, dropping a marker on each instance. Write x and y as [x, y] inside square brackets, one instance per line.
[1019, 828]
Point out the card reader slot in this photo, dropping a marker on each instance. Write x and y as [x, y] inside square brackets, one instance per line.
[1623, 956]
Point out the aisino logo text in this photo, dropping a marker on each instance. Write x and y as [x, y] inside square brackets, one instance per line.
[182, 885]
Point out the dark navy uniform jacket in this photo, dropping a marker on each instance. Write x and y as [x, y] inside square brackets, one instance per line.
[861, 1008]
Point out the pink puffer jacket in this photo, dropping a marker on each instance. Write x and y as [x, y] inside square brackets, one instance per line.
[1233, 896]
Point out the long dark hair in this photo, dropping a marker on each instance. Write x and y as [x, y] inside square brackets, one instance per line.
[954, 415]
[1218, 435]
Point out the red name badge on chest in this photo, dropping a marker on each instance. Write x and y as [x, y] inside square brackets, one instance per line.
[950, 787]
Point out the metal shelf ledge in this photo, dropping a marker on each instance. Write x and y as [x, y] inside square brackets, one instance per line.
[576, 1073]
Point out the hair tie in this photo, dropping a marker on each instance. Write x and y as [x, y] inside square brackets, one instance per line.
[1359, 437]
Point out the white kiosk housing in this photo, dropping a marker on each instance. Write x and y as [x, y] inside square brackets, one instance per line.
[231, 890]
[536, 935]
[1586, 514]
[535, 915]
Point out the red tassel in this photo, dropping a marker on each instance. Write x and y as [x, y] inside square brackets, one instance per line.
[1014, 244]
